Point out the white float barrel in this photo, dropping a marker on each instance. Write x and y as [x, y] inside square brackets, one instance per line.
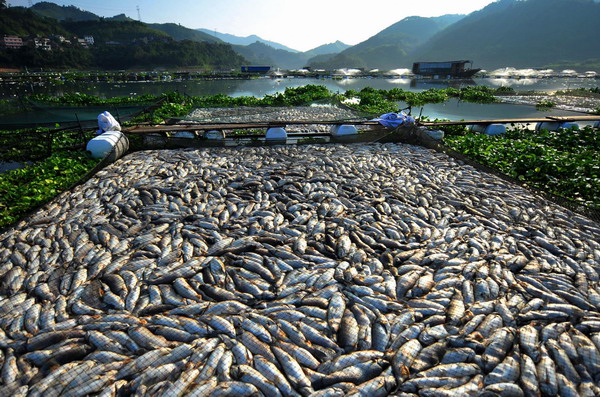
[344, 130]
[435, 134]
[548, 125]
[569, 125]
[495, 129]
[184, 134]
[477, 127]
[276, 134]
[103, 145]
[214, 135]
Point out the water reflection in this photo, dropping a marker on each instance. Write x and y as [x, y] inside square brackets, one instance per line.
[400, 81]
[425, 84]
[503, 82]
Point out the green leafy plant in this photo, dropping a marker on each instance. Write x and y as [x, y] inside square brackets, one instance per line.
[25, 189]
[565, 162]
[545, 104]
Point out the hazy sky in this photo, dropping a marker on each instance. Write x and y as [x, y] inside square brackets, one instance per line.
[301, 25]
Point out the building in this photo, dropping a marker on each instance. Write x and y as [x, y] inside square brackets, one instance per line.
[82, 42]
[42, 43]
[11, 42]
[256, 69]
[449, 69]
[89, 39]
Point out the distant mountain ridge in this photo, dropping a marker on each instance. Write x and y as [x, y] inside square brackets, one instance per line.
[244, 41]
[62, 13]
[518, 33]
[119, 42]
[531, 33]
[391, 47]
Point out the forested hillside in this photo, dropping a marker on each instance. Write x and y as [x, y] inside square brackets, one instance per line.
[532, 33]
[118, 43]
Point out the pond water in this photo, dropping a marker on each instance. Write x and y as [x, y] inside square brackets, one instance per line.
[266, 86]
[458, 110]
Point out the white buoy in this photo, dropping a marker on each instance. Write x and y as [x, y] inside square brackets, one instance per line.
[569, 126]
[276, 134]
[102, 145]
[547, 125]
[344, 130]
[184, 134]
[214, 135]
[495, 129]
[435, 134]
[477, 127]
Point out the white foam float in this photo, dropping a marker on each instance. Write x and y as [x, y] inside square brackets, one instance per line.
[343, 130]
[214, 135]
[103, 145]
[276, 134]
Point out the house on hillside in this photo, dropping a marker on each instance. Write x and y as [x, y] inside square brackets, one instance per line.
[82, 42]
[89, 39]
[42, 43]
[11, 42]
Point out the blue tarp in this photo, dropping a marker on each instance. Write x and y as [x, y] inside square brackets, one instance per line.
[394, 120]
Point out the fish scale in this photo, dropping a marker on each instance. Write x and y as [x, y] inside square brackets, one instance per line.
[379, 264]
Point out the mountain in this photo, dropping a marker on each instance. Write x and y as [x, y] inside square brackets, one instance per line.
[179, 32]
[262, 54]
[23, 22]
[105, 30]
[259, 53]
[327, 49]
[121, 18]
[62, 13]
[74, 14]
[531, 33]
[244, 41]
[391, 47]
[119, 44]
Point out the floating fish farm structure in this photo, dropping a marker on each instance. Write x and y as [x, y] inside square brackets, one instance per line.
[366, 269]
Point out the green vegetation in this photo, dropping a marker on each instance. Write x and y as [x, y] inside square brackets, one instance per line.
[70, 13]
[37, 144]
[178, 105]
[27, 188]
[79, 99]
[545, 105]
[565, 163]
[384, 101]
[118, 45]
[120, 31]
[23, 22]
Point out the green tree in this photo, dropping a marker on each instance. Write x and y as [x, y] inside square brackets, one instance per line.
[2, 4]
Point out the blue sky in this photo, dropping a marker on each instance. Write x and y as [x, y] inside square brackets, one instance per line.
[301, 25]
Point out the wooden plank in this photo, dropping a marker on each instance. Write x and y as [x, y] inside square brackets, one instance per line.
[142, 129]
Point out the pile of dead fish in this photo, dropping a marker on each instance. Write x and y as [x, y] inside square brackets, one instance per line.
[299, 270]
[249, 114]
